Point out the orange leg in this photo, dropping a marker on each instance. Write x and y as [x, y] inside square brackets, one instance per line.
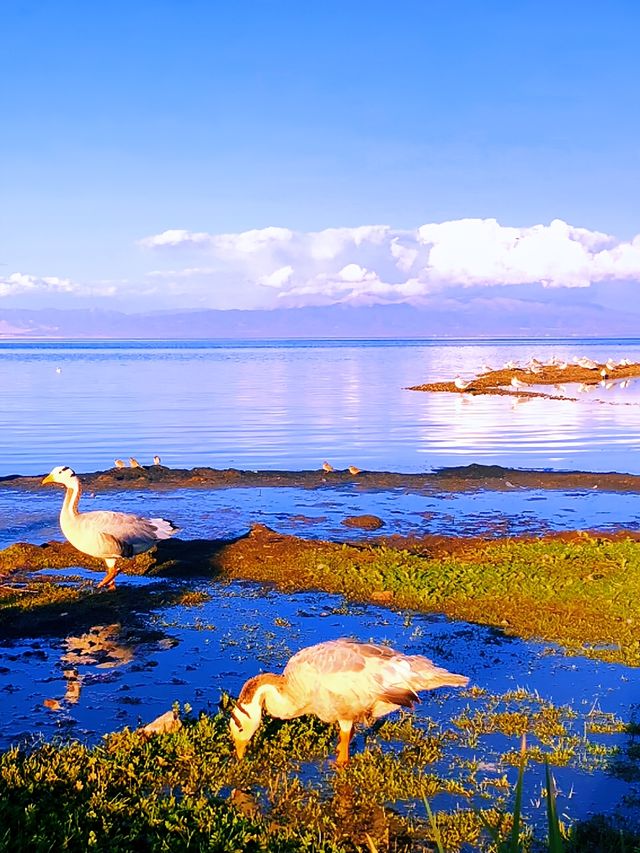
[109, 580]
[343, 743]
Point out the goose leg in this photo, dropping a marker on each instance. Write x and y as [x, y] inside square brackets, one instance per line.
[346, 730]
[109, 580]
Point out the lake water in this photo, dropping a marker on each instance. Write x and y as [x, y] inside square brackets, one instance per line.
[292, 404]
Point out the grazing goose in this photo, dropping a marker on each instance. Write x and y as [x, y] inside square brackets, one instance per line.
[105, 534]
[339, 681]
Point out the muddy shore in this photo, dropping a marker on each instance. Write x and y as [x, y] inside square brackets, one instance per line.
[465, 478]
[536, 374]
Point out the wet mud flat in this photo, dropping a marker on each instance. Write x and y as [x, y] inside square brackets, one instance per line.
[472, 477]
[547, 627]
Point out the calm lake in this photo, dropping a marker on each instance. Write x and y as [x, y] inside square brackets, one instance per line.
[293, 404]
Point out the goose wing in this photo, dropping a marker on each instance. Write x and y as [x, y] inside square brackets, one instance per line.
[339, 679]
[118, 534]
[349, 680]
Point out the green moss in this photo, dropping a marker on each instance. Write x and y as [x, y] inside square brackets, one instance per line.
[583, 594]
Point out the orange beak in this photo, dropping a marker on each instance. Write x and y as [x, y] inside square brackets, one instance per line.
[241, 746]
[47, 479]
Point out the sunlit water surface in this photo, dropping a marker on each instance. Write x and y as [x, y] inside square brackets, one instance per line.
[292, 404]
[284, 405]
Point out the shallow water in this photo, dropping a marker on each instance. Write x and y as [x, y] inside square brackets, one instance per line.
[320, 513]
[292, 404]
[114, 677]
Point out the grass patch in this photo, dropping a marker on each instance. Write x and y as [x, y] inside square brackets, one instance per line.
[186, 791]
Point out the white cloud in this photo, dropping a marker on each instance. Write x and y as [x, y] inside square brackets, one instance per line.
[23, 284]
[175, 237]
[394, 265]
[188, 272]
[19, 283]
[278, 277]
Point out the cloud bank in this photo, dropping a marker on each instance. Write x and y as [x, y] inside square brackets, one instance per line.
[433, 264]
[377, 263]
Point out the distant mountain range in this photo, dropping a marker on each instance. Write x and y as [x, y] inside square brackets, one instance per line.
[499, 317]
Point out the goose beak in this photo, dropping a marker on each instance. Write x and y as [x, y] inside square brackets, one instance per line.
[47, 479]
[241, 746]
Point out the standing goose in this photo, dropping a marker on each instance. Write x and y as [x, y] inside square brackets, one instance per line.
[339, 681]
[105, 534]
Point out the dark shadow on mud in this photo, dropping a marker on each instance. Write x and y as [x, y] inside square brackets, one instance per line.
[36, 603]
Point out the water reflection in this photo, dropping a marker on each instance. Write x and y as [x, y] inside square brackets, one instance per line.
[291, 405]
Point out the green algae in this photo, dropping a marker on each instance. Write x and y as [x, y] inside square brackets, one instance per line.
[582, 593]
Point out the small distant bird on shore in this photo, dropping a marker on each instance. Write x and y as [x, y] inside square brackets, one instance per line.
[587, 363]
[353, 470]
[104, 534]
[327, 467]
[134, 463]
[509, 365]
[339, 681]
[517, 383]
[58, 370]
[120, 463]
[460, 383]
[156, 460]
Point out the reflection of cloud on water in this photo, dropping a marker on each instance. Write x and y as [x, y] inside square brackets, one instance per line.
[476, 424]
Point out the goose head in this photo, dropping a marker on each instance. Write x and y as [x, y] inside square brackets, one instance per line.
[245, 719]
[61, 474]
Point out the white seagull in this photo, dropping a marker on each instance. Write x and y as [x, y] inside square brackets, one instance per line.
[588, 363]
[460, 383]
[517, 383]
[102, 533]
[339, 681]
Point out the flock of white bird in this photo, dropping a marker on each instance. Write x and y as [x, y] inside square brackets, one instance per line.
[341, 681]
[534, 367]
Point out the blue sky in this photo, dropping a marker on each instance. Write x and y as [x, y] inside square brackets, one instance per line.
[124, 121]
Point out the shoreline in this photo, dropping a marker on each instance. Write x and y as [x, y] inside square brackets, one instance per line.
[472, 477]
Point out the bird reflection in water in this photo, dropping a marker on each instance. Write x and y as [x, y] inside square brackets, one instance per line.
[101, 647]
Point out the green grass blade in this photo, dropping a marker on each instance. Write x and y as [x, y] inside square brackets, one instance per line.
[517, 806]
[555, 835]
[434, 827]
